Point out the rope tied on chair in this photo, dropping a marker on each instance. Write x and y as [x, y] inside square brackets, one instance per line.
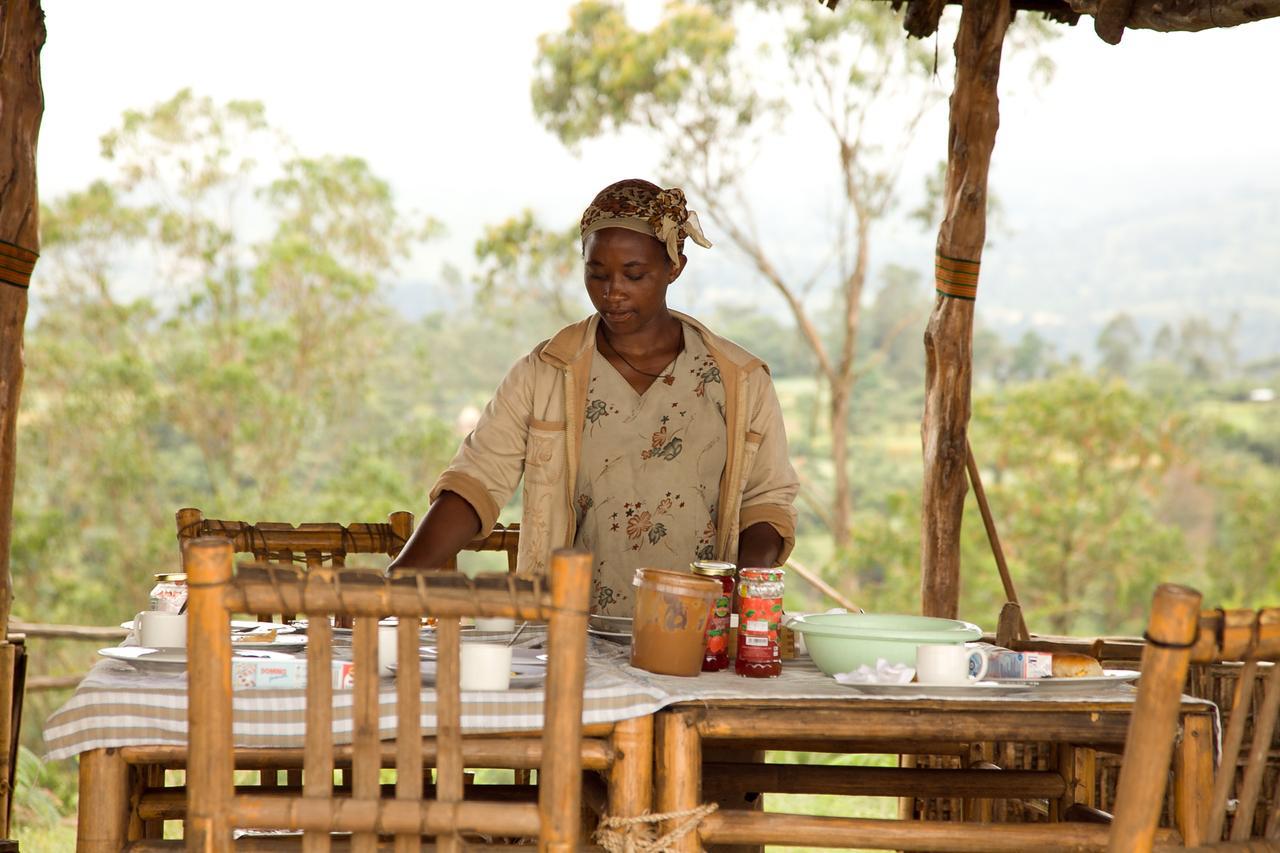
[636, 834]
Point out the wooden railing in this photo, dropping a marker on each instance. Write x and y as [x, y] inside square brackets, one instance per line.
[31, 630]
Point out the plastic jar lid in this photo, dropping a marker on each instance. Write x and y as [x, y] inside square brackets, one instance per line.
[677, 583]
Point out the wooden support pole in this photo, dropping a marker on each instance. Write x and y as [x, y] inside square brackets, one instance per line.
[948, 339]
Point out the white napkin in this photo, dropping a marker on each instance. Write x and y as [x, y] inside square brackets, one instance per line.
[883, 673]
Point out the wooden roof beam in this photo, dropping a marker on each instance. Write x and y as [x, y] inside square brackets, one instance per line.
[1111, 17]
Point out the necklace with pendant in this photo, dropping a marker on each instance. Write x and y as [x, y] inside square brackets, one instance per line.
[668, 378]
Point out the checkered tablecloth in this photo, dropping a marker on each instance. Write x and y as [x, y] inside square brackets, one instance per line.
[117, 705]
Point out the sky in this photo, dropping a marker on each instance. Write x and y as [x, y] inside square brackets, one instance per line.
[435, 95]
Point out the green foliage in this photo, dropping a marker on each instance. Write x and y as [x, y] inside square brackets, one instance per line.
[600, 73]
[1075, 463]
[523, 263]
[42, 797]
[210, 329]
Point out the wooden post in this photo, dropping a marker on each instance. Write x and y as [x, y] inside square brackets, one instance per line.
[210, 786]
[948, 339]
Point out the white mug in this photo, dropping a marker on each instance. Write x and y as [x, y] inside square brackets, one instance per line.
[485, 666]
[160, 629]
[951, 663]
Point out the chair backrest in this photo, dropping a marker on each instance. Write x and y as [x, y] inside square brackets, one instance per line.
[315, 545]
[310, 545]
[503, 537]
[1178, 635]
[214, 808]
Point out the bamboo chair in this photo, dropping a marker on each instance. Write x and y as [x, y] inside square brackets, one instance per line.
[214, 807]
[328, 544]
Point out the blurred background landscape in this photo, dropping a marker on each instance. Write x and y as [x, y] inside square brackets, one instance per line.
[275, 286]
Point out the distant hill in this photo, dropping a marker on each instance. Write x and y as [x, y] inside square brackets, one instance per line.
[1210, 255]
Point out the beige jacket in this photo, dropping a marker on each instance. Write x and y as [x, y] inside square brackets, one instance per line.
[533, 427]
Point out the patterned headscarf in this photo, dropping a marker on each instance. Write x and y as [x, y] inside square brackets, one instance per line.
[647, 208]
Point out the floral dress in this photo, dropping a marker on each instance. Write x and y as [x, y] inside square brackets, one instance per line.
[649, 478]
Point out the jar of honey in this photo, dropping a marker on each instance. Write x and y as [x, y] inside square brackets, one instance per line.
[759, 621]
[716, 657]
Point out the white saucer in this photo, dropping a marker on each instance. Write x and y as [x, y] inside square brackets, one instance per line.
[915, 688]
[1109, 679]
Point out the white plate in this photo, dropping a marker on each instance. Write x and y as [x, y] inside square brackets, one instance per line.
[978, 688]
[620, 636]
[523, 673]
[1110, 678]
[300, 625]
[172, 660]
[241, 625]
[530, 657]
[616, 624]
[280, 643]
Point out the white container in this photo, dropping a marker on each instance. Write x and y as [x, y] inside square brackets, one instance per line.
[159, 629]
[485, 666]
[387, 648]
[495, 623]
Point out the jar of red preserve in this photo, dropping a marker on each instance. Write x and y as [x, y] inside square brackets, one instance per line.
[759, 620]
[717, 654]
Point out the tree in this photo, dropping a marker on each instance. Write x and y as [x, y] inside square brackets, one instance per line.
[524, 262]
[1118, 344]
[209, 329]
[691, 84]
[1078, 463]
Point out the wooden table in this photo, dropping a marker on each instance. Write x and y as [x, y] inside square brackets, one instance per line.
[124, 801]
[895, 726]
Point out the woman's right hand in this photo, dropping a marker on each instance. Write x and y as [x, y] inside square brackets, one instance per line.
[449, 525]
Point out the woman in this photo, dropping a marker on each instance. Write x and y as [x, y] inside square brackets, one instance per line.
[641, 436]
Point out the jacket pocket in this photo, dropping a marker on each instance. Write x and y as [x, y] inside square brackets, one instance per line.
[544, 455]
[749, 450]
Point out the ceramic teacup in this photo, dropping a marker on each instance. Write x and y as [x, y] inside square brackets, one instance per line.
[159, 629]
[950, 663]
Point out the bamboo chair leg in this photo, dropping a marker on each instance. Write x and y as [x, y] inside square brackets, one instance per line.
[1149, 743]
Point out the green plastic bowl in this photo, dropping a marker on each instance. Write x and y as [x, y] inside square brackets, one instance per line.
[841, 642]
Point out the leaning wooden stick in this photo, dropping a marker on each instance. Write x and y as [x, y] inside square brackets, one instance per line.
[993, 537]
[822, 586]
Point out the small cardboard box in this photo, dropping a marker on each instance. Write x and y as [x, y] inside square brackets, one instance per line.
[247, 674]
[1010, 664]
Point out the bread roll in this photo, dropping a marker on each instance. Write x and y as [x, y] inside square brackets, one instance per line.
[1075, 666]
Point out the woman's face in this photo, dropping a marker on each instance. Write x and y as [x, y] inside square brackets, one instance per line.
[627, 274]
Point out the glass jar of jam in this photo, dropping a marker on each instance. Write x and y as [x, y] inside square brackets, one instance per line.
[170, 592]
[717, 654]
[759, 620]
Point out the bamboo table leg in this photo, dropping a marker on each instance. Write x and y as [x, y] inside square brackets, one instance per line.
[1193, 778]
[103, 822]
[631, 776]
[679, 775]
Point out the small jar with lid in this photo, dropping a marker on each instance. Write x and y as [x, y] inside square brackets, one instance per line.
[759, 622]
[716, 657]
[170, 592]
